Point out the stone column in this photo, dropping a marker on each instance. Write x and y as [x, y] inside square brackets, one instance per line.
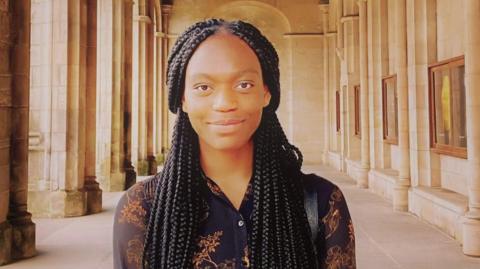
[371, 82]
[150, 40]
[130, 173]
[339, 15]
[62, 128]
[326, 139]
[471, 224]
[362, 180]
[110, 110]
[5, 132]
[400, 196]
[141, 21]
[92, 187]
[17, 231]
[159, 83]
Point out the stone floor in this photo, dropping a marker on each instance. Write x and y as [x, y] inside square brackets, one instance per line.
[385, 239]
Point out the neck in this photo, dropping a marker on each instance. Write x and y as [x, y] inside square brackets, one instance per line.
[223, 166]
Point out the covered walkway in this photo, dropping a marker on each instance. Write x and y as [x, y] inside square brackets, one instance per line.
[385, 239]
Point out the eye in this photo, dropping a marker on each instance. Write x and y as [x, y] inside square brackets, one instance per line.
[245, 85]
[202, 88]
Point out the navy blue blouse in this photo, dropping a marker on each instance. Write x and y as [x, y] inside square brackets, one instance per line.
[223, 237]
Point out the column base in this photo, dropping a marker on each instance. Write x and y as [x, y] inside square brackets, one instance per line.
[400, 198]
[5, 242]
[117, 181]
[142, 167]
[362, 178]
[130, 175]
[94, 196]
[57, 204]
[471, 235]
[23, 236]
[152, 165]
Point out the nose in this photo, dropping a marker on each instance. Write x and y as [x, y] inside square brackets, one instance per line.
[226, 100]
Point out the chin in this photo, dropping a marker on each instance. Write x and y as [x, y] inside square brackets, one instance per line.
[227, 144]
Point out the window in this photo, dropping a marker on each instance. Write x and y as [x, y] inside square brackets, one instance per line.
[356, 94]
[337, 108]
[390, 109]
[447, 107]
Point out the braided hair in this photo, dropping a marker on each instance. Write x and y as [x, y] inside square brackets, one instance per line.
[281, 235]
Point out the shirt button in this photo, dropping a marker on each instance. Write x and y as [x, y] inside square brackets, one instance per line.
[241, 223]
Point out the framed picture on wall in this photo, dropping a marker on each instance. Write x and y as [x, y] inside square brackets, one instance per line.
[337, 110]
[390, 109]
[356, 104]
[448, 132]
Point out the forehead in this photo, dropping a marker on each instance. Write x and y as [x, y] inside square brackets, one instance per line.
[223, 53]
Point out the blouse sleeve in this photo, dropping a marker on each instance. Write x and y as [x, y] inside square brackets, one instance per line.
[129, 228]
[339, 238]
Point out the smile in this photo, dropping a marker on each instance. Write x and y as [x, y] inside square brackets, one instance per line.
[226, 122]
[226, 127]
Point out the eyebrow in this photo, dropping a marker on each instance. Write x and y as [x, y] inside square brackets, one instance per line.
[237, 74]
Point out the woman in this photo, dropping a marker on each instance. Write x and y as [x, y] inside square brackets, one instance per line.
[231, 194]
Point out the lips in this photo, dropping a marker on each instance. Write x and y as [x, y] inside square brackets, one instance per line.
[226, 122]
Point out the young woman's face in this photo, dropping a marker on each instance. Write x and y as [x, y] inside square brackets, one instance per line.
[224, 92]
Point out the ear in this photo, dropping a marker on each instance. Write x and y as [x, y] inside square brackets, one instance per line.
[184, 104]
[266, 96]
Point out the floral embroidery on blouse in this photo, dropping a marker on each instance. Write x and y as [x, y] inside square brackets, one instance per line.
[222, 239]
[133, 211]
[245, 258]
[206, 246]
[214, 187]
[338, 257]
[339, 234]
[135, 251]
[332, 219]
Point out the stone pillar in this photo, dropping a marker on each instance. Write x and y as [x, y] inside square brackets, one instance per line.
[400, 196]
[17, 231]
[362, 180]
[130, 173]
[92, 187]
[150, 40]
[141, 21]
[5, 132]
[112, 42]
[471, 224]
[371, 82]
[339, 15]
[159, 83]
[379, 55]
[422, 51]
[63, 102]
[326, 138]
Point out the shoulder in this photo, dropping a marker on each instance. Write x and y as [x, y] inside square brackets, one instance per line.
[328, 193]
[320, 184]
[134, 205]
[130, 223]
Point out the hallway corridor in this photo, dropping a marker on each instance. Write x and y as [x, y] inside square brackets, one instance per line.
[385, 239]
